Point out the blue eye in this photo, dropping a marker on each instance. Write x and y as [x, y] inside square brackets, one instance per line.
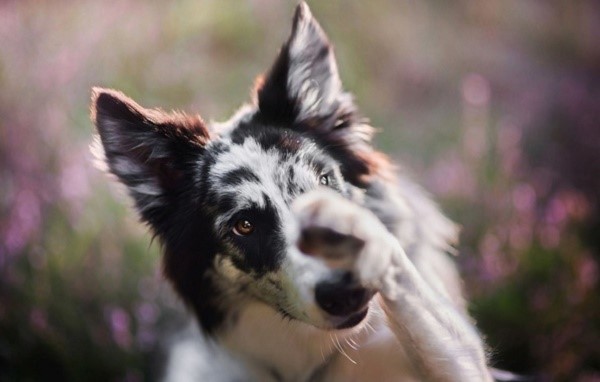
[324, 180]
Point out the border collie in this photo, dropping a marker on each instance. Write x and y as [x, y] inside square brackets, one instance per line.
[301, 254]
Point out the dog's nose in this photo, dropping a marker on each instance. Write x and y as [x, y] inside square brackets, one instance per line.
[341, 296]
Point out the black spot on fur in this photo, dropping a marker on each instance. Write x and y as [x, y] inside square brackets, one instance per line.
[292, 189]
[239, 176]
[268, 137]
[224, 202]
[263, 250]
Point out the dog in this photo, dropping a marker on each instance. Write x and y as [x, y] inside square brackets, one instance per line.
[301, 252]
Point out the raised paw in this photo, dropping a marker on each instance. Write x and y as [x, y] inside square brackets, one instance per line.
[345, 235]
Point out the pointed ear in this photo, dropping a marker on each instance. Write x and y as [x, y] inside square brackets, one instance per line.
[147, 149]
[303, 83]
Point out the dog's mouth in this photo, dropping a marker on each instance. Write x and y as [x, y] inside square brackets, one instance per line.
[353, 319]
[344, 303]
[332, 322]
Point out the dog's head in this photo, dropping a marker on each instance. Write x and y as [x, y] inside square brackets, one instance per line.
[219, 197]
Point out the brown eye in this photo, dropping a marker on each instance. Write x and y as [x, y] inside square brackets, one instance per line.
[243, 228]
[324, 180]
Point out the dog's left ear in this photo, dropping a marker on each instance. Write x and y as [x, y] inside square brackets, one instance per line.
[303, 83]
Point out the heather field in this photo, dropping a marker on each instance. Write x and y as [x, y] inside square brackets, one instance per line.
[494, 106]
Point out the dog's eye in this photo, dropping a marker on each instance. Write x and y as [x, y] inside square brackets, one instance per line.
[324, 180]
[243, 227]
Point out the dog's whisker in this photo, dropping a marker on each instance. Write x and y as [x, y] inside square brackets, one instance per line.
[336, 345]
[350, 344]
[370, 327]
[329, 343]
[341, 349]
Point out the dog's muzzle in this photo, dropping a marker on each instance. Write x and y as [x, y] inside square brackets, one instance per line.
[343, 298]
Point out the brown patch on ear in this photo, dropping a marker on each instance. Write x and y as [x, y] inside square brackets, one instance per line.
[378, 166]
[148, 150]
[176, 125]
[259, 83]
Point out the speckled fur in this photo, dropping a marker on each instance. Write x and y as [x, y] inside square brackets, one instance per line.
[296, 162]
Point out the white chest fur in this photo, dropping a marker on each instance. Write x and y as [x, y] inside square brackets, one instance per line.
[275, 348]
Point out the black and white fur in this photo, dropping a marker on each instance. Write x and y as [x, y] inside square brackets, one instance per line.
[345, 276]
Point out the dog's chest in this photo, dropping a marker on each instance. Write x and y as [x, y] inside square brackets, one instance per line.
[276, 349]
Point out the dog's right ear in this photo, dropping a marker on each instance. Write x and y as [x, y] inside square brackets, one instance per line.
[147, 149]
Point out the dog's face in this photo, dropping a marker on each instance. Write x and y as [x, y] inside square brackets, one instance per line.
[257, 174]
[220, 197]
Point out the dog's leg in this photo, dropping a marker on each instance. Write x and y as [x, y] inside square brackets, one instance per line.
[441, 341]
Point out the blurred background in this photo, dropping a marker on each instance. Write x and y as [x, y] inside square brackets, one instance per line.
[494, 106]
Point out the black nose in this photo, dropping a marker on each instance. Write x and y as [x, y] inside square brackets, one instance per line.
[341, 295]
